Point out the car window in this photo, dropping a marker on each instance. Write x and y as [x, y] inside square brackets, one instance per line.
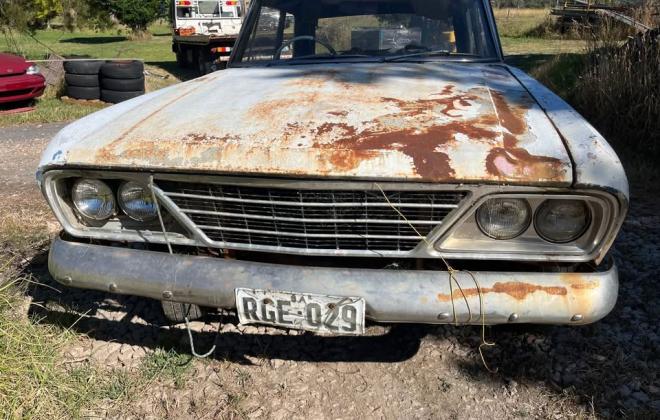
[286, 30]
[270, 32]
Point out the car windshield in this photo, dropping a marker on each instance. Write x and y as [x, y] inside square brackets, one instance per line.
[296, 31]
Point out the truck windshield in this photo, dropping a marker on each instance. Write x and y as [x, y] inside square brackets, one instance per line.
[293, 31]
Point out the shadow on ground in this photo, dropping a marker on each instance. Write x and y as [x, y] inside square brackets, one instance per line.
[529, 62]
[94, 40]
[63, 306]
[611, 366]
[172, 67]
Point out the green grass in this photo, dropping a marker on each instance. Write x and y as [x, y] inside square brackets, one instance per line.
[530, 45]
[167, 365]
[49, 108]
[34, 383]
[528, 32]
[108, 44]
[155, 51]
[516, 23]
[530, 42]
[35, 380]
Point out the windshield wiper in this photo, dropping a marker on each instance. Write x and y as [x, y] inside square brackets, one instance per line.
[433, 53]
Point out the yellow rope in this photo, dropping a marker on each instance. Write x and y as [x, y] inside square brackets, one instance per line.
[483, 324]
[403, 216]
[452, 280]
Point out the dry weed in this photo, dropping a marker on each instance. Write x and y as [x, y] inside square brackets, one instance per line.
[619, 90]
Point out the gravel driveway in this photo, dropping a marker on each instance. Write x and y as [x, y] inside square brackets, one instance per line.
[21, 150]
[609, 369]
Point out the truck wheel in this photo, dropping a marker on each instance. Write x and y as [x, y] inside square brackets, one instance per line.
[83, 92]
[123, 85]
[176, 312]
[221, 65]
[181, 58]
[84, 80]
[203, 62]
[114, 97]
[127, 69]
[83, 67]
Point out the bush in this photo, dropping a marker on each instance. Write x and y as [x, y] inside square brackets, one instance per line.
[619, 92]
[136, 14]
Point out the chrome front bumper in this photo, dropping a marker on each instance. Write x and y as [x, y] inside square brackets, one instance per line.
[391, 295]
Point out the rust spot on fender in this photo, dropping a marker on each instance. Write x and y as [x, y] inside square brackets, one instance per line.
[518, 163]
[191, 145]
[511, 161]
[517, 290]
[579, 282]
[338, 113]
[511, 119]
[585, 286]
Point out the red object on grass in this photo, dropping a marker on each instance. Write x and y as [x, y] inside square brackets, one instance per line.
[16, 110]
[20, 79]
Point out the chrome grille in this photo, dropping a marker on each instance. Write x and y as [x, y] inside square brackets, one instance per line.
[345, 220]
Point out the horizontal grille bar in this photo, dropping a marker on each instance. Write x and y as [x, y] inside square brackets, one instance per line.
[304, 204]
[309, 220]
[308, 235]
[314, 219]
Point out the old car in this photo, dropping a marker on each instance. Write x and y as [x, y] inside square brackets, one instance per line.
[360, 160]
[20, 80]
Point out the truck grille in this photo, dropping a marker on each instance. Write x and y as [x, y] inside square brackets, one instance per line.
[332, 220]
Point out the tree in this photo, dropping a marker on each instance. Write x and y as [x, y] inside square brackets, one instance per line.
[25, 16]
[136, 14]
[45, 10]
[78, 14]
[18, 15]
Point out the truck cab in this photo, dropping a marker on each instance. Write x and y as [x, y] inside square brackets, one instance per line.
[204, 32]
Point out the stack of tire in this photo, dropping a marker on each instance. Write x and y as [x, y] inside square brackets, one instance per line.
[82, 79]
[121, 80]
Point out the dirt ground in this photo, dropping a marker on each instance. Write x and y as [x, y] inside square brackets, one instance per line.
[609, 369]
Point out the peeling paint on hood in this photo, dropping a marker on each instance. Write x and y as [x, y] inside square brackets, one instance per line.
[440, 122]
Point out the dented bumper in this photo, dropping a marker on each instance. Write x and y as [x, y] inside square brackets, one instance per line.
[422, 296]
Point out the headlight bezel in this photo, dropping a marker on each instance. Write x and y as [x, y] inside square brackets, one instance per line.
[465, 240]
[56, 186]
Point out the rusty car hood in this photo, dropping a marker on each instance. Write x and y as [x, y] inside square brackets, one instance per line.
[440, 122]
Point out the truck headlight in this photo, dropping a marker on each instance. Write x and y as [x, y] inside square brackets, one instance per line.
[93, 199]
[136, 201]
[504, 218]
[562, 221]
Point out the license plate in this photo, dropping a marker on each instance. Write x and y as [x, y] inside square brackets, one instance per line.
[303, 311]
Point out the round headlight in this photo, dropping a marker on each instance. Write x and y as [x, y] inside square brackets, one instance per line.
[93, 199]
[562, 221]
[504, 218]
[136, 201]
